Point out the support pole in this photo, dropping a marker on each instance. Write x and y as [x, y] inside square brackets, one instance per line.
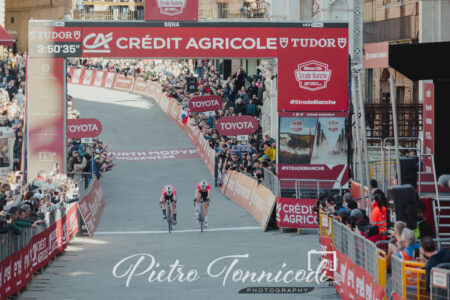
[394, 121]
[364, 137]
[358, 142]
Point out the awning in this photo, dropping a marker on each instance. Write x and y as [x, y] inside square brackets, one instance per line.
[421, 61]
[5, 38]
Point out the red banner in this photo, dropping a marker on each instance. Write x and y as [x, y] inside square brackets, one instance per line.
[89, 75]
[296, 213]
[428, 127]
[92, 205]
[376, 55]
[237, 125]
[16, 270]
[171, 10]
[46, 114]
[327, 255]
[99, 79]
[83, 128]
[205, 103]
[353, 282]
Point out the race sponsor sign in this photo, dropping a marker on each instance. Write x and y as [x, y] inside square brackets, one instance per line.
[353, 282]
[314, 145]
[140, 86]
[326, 249]
[88, 77]
[77, 75]
[296, 213]
[92, 205]
[46, 40]
[55, 34]
[154, 154]
[45, 114]
[124, 83]
[17, 269]
[171, 10]
[237, 125]
[83, 128]
[428, 127]
[109, 80]
[313, 83]
[98, 80]
[205, 103]
[376, 55]
[253, 197]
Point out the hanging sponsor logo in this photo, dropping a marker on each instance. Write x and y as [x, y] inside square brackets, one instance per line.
[297, 126]
[83, 128]
[313, 75]
[333, 126]
[205, 103]
[165, 10]
[237, 125]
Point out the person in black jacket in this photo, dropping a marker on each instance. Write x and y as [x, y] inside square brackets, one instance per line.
[240, 107]
[432, 256]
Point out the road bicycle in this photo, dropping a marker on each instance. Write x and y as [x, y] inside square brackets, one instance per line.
[169, 215]
[201, 216]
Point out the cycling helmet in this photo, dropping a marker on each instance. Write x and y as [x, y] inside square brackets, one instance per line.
[203, 184]
[169, 190]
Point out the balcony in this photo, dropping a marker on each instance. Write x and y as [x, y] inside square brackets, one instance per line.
[379, 120]
[252, 9]
[109, 10]
[396, 29]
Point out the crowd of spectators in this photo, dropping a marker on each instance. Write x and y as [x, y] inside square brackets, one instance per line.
[241, 95]
[12, 99]
[86, 160]
[408, 244]
[25, 205]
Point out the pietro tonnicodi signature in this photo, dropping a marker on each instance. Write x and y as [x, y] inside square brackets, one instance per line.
[225, 268]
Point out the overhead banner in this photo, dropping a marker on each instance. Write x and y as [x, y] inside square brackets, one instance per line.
[46, 115]
[313, 146]
[171, 10]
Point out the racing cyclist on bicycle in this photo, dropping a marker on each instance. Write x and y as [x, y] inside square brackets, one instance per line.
[169, 194]
[203, 191]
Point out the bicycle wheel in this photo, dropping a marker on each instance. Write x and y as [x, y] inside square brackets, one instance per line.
[169, 216]
[201, 217]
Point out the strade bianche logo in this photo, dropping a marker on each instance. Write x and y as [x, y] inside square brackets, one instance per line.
[312, 75]
[97, 43]
[171, 7]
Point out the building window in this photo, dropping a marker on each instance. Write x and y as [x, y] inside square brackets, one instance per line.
[12, 20]
[222, 10]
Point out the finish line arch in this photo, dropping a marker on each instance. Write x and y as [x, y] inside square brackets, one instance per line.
[312, 70]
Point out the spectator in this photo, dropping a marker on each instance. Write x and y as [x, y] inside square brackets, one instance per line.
[251, 108]
[240, 108]
[408, 241]
[431, 256]
[394, 244]
[423, 227]
[379, 212]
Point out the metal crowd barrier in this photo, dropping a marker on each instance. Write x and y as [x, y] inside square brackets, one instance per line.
[10, 242]
[440, 282]
[271, 182]
[409, 279]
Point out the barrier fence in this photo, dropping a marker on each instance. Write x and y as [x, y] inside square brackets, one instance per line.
[440, 282]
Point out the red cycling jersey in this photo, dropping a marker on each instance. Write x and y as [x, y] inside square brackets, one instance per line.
[164, 191]
[208, 187]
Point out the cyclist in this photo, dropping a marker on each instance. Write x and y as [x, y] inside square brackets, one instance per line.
[169, 194]
[203, 191]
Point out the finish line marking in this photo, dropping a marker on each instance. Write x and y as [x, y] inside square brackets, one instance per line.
[175, 231]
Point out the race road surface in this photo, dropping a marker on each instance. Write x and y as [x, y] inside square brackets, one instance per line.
[132, 224]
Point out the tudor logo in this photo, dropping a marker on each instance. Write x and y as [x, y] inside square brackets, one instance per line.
[312, 75]
[284, 42]
[171, 7]
[342, 42]
[77, 34]
[100, 43]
